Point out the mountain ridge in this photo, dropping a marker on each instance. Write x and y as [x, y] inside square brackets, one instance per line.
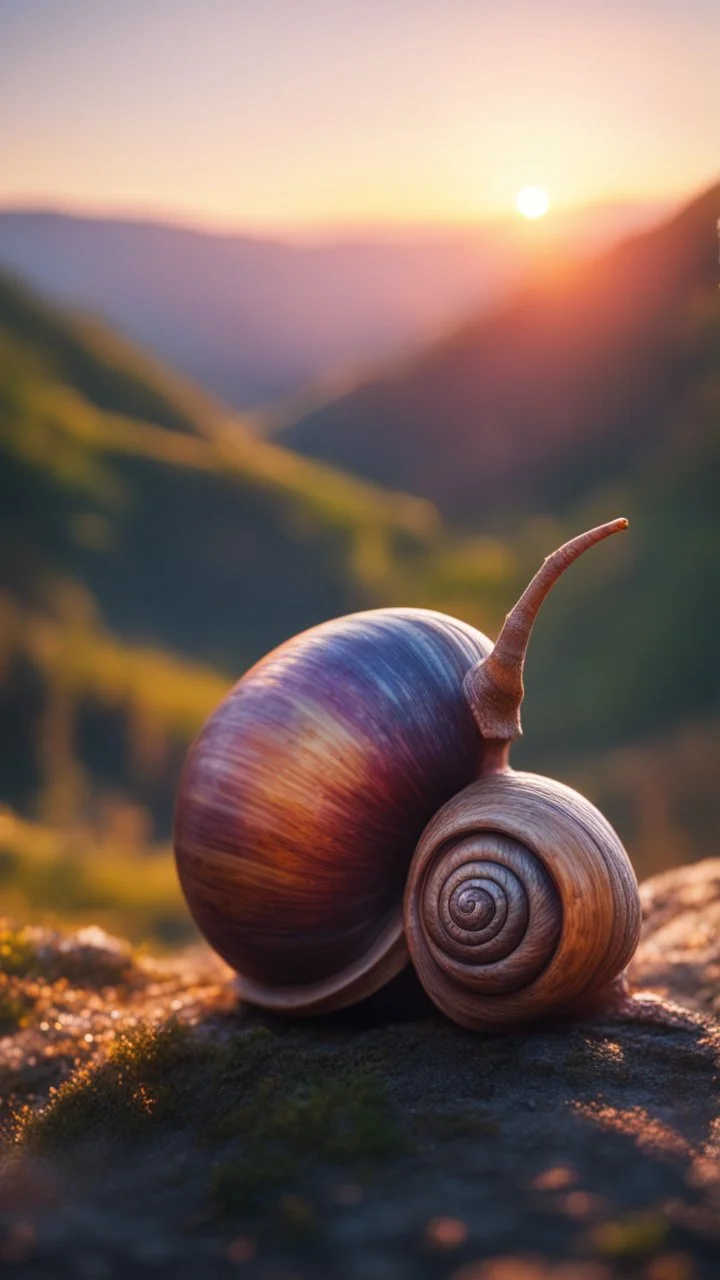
[567, 375]
[257, 318]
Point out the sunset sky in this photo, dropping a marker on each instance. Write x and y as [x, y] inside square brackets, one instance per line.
[314, 113]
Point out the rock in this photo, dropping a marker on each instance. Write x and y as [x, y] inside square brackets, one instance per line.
[384, 1143]
[65, 997]
[679, 952]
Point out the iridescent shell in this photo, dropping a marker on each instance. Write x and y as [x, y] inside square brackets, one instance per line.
[305, 794]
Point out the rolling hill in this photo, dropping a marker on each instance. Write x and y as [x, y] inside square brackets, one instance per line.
[570, 385]
[150, 550]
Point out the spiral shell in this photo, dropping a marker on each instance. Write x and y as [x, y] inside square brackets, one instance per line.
[520, 902]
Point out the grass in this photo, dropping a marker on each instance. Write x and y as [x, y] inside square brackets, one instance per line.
[176, 693]
[73, 877]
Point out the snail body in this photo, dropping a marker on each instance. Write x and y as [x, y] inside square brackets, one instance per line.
[351, 802]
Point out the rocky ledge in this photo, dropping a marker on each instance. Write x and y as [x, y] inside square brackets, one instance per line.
[153, 1127]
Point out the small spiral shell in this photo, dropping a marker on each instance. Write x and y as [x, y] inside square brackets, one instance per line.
[521, 902]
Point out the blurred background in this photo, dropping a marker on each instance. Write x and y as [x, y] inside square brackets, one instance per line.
[313, 308]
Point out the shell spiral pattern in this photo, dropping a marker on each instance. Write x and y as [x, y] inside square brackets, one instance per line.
[520, 901]
[489, 903]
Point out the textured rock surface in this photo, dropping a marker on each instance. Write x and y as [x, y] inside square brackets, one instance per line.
[679, 952]
[381, 1144]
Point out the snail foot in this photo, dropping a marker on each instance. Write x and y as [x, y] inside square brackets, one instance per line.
[617, 1002]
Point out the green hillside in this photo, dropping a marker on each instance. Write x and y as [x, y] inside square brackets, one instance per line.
[110, 374]
[143, 568]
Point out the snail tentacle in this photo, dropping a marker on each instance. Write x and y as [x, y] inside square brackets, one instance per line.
[494, 688]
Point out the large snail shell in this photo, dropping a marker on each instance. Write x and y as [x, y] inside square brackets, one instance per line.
[520, 903]
[304, 796]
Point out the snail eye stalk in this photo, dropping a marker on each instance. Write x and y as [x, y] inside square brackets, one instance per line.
[494, 688]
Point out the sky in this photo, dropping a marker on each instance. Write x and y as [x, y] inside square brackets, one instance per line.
[323, 113]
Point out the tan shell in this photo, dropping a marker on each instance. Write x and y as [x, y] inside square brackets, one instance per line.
[520, 903]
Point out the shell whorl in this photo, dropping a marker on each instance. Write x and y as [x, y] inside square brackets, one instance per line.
[488, 903]
[520, 902]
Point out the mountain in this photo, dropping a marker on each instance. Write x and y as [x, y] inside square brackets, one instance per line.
[566, 386]
[254, 319]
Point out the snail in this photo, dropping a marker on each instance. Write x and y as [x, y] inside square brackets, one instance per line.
[350, 804]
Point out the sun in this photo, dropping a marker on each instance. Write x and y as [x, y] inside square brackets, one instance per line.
[532, 202]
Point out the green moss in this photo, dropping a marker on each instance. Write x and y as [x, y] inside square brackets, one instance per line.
[141, 1085]
[291, 1108]
[282, 1102]
[336, 1114]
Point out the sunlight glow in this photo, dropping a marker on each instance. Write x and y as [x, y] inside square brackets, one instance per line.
[228, 127]
[532, 202]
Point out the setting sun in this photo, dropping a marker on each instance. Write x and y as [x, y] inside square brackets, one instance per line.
[532, 202]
